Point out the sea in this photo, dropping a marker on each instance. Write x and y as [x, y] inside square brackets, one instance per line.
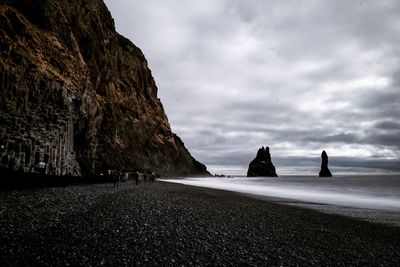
[374, 198]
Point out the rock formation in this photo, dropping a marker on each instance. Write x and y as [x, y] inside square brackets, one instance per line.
[325, 172]
[262, 164]
[77, 96]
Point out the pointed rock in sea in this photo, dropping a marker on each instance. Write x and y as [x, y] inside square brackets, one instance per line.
[262, 164]
[324, 172]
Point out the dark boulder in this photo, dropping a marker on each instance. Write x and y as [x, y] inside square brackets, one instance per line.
[262, 165]
[325, 172]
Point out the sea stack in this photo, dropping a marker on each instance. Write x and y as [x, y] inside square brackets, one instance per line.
[325, 172]
[262, 165]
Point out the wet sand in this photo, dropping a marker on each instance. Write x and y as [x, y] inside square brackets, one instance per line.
[372, 198]
[173, 224]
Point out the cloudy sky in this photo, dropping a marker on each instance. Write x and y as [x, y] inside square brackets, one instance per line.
[298, 76]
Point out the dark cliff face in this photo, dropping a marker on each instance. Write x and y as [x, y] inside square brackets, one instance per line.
[78, 96]
[262, 164]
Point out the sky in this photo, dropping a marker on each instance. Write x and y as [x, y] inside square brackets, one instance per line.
[297, 76]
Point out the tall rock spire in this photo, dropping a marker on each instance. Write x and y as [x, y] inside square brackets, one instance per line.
[325, 172]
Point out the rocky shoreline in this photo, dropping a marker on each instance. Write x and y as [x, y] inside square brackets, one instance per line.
[172, 224]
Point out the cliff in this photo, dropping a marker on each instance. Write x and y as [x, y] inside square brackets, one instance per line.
[78, 96]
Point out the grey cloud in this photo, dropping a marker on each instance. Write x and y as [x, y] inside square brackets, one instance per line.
[385, 139]
[387, 99]
[388, 165]
[340, 162]
[388, 125]
[337, 138]
[298, 76]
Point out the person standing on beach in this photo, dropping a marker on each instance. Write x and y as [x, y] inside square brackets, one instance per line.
[116, 178]
[152, 177]
[136, 178]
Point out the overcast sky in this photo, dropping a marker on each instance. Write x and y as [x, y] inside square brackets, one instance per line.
[298, 76]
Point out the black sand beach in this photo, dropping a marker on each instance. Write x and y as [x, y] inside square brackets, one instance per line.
[172, 224]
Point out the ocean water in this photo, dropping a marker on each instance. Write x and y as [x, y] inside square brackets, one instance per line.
[376, 197]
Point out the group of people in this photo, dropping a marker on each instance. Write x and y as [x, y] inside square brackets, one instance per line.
[147, 176]
[144, 177]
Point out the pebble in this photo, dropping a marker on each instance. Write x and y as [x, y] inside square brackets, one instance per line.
[171, 224]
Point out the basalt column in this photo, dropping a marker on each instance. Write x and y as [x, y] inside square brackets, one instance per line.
[36, 126]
